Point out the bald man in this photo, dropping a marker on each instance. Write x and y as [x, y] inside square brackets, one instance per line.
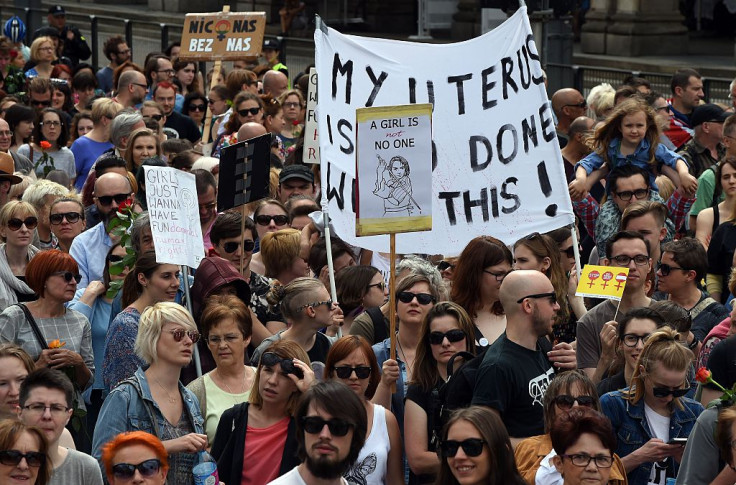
[275, 83]
[568, 104]
[516, 368]
[250, 130]
[90, 248]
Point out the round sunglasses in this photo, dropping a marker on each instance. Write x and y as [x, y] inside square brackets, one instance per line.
[180, 333]
[15, 224]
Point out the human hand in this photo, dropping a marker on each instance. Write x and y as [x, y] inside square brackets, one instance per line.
[572, 282]
[306, 381]
[688, 184]
[609, 339]
[44, 360]
[577, 190]
[563, 356]
[59, 358]
[657, 450]
[189, 443]
[389, 372]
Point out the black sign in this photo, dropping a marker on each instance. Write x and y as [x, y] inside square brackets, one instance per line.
[244, 172]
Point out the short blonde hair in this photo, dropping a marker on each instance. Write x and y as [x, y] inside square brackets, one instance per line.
[36, 47]
[279, 249]
[36, 193]
[153, 320]
[104, 107]
[17, 190]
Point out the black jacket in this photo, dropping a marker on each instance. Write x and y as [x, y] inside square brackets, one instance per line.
[229, 446]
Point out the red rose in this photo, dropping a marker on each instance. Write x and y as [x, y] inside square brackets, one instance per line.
[45, 145]
[125, 205]
[703, 375]
[295, 122]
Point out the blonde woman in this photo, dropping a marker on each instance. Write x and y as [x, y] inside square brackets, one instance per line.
[43, 54]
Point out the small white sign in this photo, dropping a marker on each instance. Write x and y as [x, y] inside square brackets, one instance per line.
[311, 140]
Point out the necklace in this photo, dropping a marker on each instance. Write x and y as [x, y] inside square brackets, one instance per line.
[222, 379]
[172, 400]
[409, 365]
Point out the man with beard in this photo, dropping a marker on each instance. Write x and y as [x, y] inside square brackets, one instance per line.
[131, 89]
[90, 248]
[117, 51]
[516, 369]
[331, 425]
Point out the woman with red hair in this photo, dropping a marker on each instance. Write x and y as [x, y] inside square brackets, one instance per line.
[135, 454]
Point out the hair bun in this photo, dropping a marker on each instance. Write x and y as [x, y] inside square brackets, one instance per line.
[276, 293]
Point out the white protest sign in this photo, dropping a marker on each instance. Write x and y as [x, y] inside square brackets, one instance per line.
[173, 207]
[311, 140]
[497, 168]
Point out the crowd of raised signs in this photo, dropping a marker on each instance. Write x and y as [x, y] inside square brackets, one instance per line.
[498, 372]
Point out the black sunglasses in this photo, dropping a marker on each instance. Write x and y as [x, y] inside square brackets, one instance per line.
[581, 104]
[264, 220]
[471, 447]
[197, 107]
[570, 252]
[247, 111]
[35, 102]
[551, 295]
[71, 217]
[422, 298]
[270, 359]
[315, 424]
[232, 246]
[345, 371]
[155, 117]
[68, 276]
[666, 391]
[125, 471]
[115, 258]
[565, 402]
[454, 335]
[15, 224]
[666, 269]
[443, 265]
[107, 199]
[13, 458]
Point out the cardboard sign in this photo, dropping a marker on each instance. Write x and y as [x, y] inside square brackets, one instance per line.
[602, 282]
[173, 207]
[497, 167]
[244, 172]
[393, 167]
[222, 35]
[311, 140]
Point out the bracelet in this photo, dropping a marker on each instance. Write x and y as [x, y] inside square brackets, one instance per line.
[692, 345]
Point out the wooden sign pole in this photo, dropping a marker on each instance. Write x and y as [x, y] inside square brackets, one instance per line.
[215, 74]
[392, 303]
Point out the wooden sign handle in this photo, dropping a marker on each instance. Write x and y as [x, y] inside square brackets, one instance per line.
[392, 303]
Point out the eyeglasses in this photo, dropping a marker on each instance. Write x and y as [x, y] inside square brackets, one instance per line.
[470, 446]
[168, 72]
[551, 295]
[53, 124]
[632, 340]
[5, 133]
[229, 338]
[422, 298]
[663, 108]
[13, 457]
[583, 459]
[270, 359]
[499, 276]
[68, 276]
[666, 391]
[381, 286]
[316, 304]
[581, 104]
[56, 410]
[126, 471]
[71, 217]
[666, 269]
[345, 371]
[140, 85]
[197, 107]
[565, 401]
[455, 335]
[155, 117]
[122, 53]
[624, 260]
[15, 224]
[444, 265]
[264, 220]
[247, 111]
[180, 333]
[291, 105]
[47, 48]
[627, 194]
[232, 246]
[107, 199]
[36, 102]
[315, 424]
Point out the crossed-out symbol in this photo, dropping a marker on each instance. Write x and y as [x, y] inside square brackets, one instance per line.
[620, 280]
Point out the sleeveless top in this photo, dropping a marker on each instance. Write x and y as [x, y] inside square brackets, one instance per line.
[372, 464]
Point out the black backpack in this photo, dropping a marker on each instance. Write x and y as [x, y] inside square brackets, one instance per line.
[380, 329]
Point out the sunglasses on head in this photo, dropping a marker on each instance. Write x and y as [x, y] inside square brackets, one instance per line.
[264, 220]
[180, 333]
[422, 298]
[71, 217]
[15, 224]
[197, 107]
[107, 199]
[68, 276]
[125, 471]
[13, 458]
[470, 446]
[249, 111]
[270, 359]
[345, 371]
[232, 246]
[315, 424]
[565, 402]
[666, 391]
[454, 335]
[155, 117]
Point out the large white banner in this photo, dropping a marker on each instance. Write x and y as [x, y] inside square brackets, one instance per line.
[497, 165]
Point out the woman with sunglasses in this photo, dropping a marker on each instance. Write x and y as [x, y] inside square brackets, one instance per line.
[256, 441]
[20, 120]
[153, 399]
[480, 269]
[135, 454]
[142, 144]
[359, 289]
[52, 129]
[17, 222]
[446, 330]
[351, 361]
[475, 449]
[534, 455]
[270, 216]
[247, 107]
[146, 284]
[656, 395]
[195, 106]
[66, 218]
[23, 454]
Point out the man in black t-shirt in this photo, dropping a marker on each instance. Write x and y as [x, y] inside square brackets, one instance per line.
[177, 125]
[515, 371]
[722, 364]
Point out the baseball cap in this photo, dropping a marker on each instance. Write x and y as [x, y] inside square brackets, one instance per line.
[708, 112]
[7, 167]
[272, 44]
[300, 172]
[57, 11]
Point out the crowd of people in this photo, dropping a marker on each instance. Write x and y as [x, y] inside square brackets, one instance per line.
[498, 372]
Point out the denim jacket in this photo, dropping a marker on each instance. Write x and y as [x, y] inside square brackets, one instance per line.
[125, 409]
[383, 353]
[632, 429]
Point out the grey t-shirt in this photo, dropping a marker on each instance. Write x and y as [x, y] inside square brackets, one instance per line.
[63, 160]
[77, 468]
[700, 460]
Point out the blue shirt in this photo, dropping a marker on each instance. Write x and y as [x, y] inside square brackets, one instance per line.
[89, 250]
[86, 151]
[99, 318]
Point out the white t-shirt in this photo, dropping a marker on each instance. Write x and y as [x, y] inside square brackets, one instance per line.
[372, 464]
[660, 428]
[294, 478]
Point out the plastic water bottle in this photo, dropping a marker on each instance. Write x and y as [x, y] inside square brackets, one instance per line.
[205, 471]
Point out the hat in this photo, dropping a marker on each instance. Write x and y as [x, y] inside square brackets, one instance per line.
[708, 112]
[46, 32]
[7, 167]
[272, 44]
[57, 11]
[300, 172]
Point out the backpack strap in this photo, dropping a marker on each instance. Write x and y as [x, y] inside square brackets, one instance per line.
[704, 303]
[466, 356]
[380, 332]
[34, 326]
